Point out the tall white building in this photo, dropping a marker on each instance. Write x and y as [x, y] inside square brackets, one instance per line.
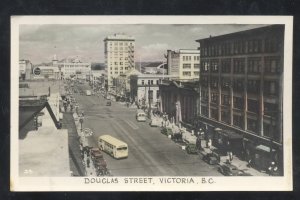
[184, 63]
[119, 55]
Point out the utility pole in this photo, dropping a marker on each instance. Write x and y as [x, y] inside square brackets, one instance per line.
[149, 110]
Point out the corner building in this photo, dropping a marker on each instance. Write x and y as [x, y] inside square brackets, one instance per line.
[241, 88]
[119, 56]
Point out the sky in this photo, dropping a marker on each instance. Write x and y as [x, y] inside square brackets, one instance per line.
[39, 43]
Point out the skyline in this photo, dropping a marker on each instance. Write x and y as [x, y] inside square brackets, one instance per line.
[86, 41]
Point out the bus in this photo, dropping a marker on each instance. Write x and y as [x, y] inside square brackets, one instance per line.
[140, 115]
[88, 93]
[116, 148]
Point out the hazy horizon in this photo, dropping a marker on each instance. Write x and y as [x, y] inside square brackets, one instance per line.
[39, 43]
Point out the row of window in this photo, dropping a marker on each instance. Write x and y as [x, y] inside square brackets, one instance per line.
[238, 121]
[119, 58]
[189, 66]
[190, 73]
[189, 58]
[120, 43]
[151, 82]
[270, 87]
[238, 102]
[272, 65]
[271, 45]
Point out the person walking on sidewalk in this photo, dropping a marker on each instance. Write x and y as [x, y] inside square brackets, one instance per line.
[229, 152]
[88, 162]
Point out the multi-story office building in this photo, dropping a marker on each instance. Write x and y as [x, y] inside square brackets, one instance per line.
[241, 87]
[119, 55]
[184, 63]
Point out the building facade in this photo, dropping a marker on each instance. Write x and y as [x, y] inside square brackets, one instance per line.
[179, 100]
[44, 71]
[184, 63]
[97, 79]
[241, 86]
[119, 55]
[25, 69]
[70, 68]
[145, 88]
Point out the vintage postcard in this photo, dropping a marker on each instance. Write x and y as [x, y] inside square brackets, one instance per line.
[151, 103]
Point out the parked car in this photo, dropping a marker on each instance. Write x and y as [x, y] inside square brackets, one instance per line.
[155, 122]
[191, 149]
[228, 169]
[95, 151]
[108, 103]
[177, 137]
[166, 131]
[211, 158]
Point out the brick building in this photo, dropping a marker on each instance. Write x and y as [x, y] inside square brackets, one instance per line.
[241, 88]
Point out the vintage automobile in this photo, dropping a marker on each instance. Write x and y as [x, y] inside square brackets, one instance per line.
[191, 149]
[177, 137]
[155, 122]
[96, 153]
[228, 169]
[211, 158]
[166, 131]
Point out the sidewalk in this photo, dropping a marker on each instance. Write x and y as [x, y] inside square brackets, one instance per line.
[75, 161]
[190, 138]
[241, 165]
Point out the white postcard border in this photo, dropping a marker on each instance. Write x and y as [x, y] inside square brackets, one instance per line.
[218, 183]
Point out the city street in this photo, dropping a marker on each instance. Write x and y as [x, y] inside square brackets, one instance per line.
[150, 152]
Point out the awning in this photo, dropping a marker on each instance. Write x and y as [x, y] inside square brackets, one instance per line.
[230, 134]
[264, 148]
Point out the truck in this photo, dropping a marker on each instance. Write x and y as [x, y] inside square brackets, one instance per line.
[88, 93]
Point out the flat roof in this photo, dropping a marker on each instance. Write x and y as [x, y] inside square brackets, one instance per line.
[44, 153]
[249, 32]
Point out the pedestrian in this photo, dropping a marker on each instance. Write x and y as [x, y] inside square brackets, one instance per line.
[230, 156]
[208, 144]
[88, 162]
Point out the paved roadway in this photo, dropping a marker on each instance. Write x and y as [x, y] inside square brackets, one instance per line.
[150, 152]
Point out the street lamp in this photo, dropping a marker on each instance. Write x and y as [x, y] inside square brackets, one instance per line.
[149, 110]
[81, 122]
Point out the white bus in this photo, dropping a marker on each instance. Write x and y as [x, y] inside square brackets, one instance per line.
[140, 116]
[113, 146]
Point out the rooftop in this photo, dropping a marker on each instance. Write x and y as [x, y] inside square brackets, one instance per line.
[44, 153]
[250, 32]
[119, 36]
[40, 88]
